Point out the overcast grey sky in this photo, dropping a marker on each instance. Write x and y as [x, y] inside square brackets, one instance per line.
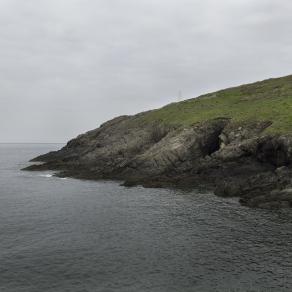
[69, 65]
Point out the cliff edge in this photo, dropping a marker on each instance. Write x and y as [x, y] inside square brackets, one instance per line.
[235, 142]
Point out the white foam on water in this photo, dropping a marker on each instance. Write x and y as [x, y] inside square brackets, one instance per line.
[46, 175]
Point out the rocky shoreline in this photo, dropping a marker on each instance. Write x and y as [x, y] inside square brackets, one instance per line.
[230, 158]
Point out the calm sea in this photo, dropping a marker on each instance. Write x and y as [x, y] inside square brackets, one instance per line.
[73, 235]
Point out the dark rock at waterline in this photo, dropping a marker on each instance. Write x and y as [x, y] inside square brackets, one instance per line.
[233, 161]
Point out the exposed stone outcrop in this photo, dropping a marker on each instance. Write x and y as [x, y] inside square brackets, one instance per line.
[230, 158]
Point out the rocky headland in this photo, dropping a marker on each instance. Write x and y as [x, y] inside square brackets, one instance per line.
[236, 142]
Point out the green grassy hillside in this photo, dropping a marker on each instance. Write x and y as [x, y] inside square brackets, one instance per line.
[269, 100]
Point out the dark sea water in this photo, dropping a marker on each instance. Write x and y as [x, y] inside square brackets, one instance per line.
[72, 235]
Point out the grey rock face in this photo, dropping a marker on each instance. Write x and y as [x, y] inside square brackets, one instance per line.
[232, 159]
